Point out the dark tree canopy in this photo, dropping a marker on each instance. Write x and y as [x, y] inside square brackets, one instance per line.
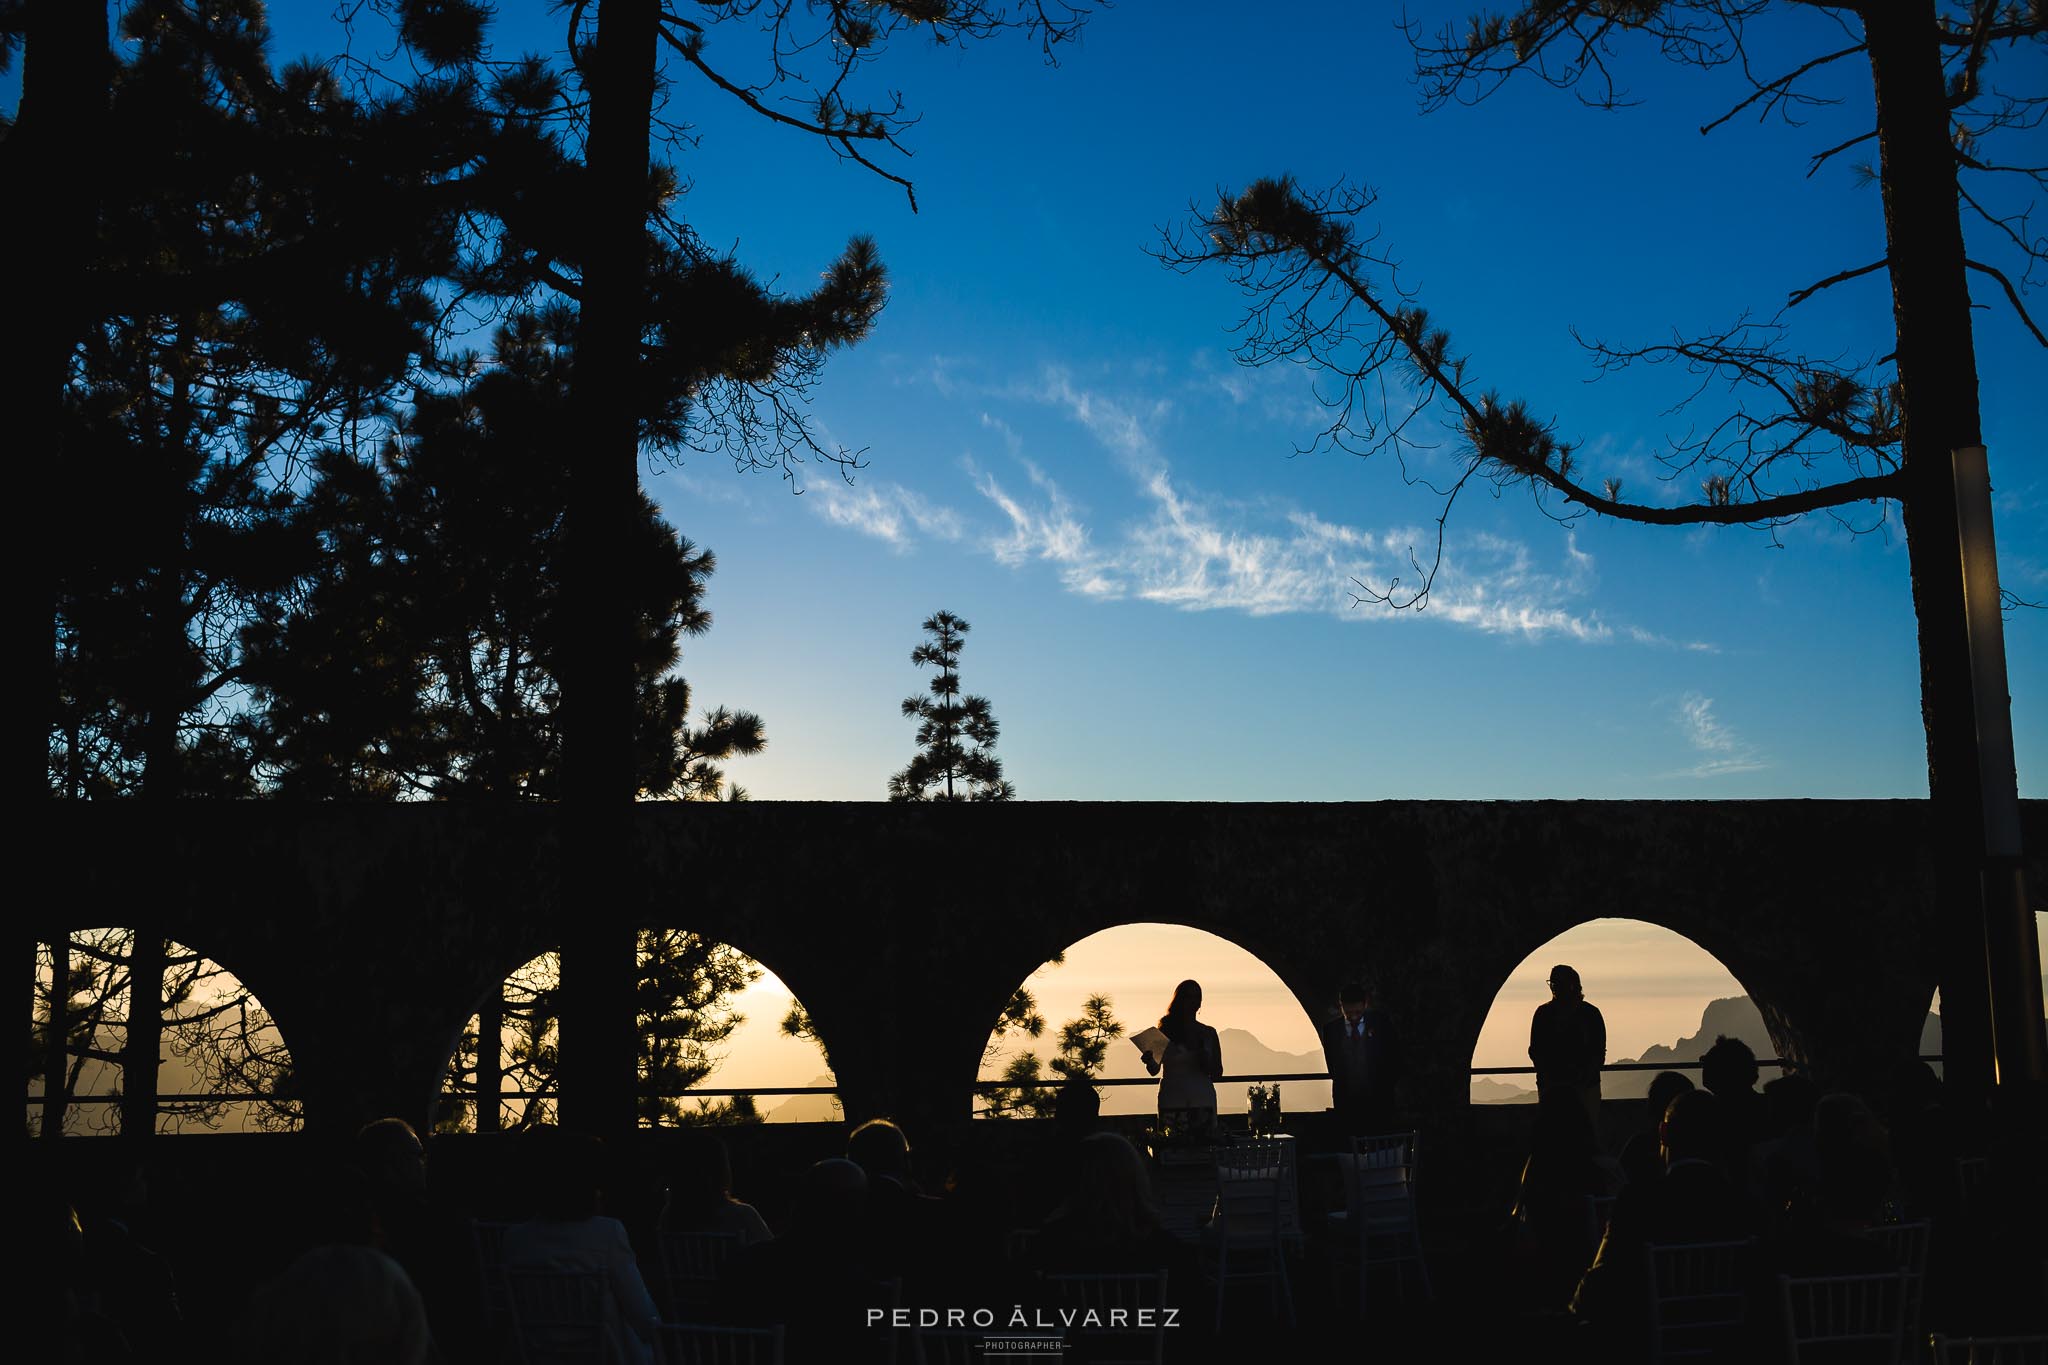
[422, 657]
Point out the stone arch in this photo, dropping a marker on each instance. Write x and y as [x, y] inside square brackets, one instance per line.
[1601, 966]
[529, 964]
[216, 1037]
[1137, 1014]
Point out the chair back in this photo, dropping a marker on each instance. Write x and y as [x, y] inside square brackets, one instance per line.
[1699, 1297]
[1249, 1188]
[487, 1242]
[1019, 1245]
[692, 1343]
[1837, 1312]
[1989, 1350]
[1101, 1342]
[692, 1269]
[559, 1317]
[1907, 1245]
[1380, 1171]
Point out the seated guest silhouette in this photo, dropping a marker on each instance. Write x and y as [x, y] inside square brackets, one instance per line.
[1107, 1222]
[567, 1232]
[1642, 1156]
[701, 1199]
[905, 1225]
[336, 1305]
[1824, 1234]
[1728, 1068]
[1694, 1202]
[821, 1277]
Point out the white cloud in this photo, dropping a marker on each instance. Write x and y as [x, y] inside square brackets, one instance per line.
[1191, 550]
[1011, 439]
[1048, 531]
[1657, 641]
[888, 512]
[1117, 425]
[1722, 752]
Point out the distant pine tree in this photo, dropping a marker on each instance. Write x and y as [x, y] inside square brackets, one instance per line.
[956, 735]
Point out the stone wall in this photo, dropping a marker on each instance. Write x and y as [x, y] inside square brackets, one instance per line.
[372, 932]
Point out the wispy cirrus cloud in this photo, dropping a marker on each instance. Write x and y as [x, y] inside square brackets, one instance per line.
[1046, 528]
[888, 512]
[1722, 752]
[1194, 550]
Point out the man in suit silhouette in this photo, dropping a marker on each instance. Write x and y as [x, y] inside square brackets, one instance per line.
[1363, 1058]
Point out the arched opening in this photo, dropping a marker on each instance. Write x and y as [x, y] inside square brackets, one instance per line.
[207, 1059]
[1930, 1029]
[1076, 1013]
[1664, 997]
[720, 1036]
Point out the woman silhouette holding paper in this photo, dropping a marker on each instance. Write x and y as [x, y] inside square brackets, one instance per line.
[1190, 1054]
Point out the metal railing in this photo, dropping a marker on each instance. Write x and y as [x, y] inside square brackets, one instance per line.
[727, 1092]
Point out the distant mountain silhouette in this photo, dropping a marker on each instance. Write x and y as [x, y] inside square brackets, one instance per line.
[1243, 1055]
[1495, 1090]
[807, 1108]
[1735, 1017]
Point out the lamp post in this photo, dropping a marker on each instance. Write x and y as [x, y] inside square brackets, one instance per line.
[2019, 1044]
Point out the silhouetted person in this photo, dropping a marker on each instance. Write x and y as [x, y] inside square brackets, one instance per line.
[700, 1193]
[905, 1226]
[1693, 1202]
[1853, 1179]
[1191, 1064]
[1642, 1156]
[64, 1316]
[390, 1163]
[569, 1232]
[336, 1305]
[1728, 1069]
[1107, 1222]
[1363, 1058]
[1923, 1147]
[131, 1283]
[1568, 1045]
[1076, 1110]
[1784, 1167]
[1554, 1202]
[820, 1276]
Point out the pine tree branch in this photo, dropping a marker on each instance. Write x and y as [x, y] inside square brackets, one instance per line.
[1800, 296]
[2012, 295]
[1820, 158]
[1774, 91]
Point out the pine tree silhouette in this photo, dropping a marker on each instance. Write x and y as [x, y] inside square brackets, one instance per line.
[956, 735]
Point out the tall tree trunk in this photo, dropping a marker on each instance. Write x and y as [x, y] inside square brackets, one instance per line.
[598, 771]
[56, 1050]
[52, 222]
[490, 1062]
[169, 458]
[1938, 376]
[142, 1053]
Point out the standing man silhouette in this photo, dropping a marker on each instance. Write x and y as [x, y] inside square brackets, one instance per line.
[1363, 1059]
[1568, 1046]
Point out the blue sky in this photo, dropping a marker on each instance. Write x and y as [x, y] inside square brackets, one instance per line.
[1060, 449]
